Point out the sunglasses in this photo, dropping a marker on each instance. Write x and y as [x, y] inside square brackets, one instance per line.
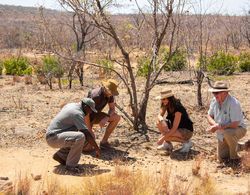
[216, 93]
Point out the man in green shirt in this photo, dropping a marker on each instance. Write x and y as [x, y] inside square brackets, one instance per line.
[69, 132]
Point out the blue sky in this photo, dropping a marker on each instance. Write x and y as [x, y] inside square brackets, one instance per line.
[233, 7]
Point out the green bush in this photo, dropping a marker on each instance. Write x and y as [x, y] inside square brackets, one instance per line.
[244, 62]
[107, 65]
[51, 67]
[177, 62]
[1, 68]
[222, 63]
[144, 66]
[17, 66]
[202, 62]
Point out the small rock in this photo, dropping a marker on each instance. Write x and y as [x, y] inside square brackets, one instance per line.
[4, 178]
[36, 177]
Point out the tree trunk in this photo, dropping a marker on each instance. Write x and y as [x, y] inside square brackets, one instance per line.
[142, 116]
[70, 75]
[200, 77]
[59, 83]
[50, 83]
[80, 75]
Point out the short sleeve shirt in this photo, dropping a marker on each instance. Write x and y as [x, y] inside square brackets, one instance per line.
[99, 98]
[228, 112]
[185, 121]
[70, 118]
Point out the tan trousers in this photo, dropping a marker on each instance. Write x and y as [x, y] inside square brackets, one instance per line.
[228, 147]
[70, 144]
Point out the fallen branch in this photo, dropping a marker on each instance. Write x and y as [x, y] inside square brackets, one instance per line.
[174, 82]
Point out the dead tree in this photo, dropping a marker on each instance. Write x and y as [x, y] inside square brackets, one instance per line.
[159, 20]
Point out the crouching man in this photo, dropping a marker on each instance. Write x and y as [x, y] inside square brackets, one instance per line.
[69, 132]
[226, 119]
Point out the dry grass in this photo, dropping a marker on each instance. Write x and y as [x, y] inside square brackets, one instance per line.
[246, 161]
[197, 165]
[205, 185]
[22, 185]
[122, 181]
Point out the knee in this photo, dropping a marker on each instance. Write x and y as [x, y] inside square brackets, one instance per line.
[117, 118]
[80, 139]
[227, 136]
[158, 125]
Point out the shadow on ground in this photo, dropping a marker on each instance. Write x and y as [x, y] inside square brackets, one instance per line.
[86, 170]
[177, 155]
[113, 154]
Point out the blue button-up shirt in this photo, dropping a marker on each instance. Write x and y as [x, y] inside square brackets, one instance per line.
[230, 111]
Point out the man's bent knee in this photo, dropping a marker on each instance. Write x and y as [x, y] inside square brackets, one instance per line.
[115, 117]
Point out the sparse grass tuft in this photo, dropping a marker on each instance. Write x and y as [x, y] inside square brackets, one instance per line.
[197, 165]
[246, 161]
[205, 185]
[23, 185]
[126, 181]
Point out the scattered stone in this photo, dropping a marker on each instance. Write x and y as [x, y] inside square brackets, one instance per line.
[4, 178]
[36, 177]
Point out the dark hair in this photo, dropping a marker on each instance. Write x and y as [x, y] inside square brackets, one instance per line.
[172, 104]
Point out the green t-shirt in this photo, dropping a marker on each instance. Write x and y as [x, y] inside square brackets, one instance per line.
[70, 118]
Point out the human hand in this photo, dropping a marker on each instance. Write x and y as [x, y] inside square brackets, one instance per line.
[103, 122]
[213, 128]
[160, 140]
[98, 152]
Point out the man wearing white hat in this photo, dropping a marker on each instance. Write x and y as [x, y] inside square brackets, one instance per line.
[225, 117]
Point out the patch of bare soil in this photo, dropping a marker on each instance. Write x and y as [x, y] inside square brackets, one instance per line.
[26, 111]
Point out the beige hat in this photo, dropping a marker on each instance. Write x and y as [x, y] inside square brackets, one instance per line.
[219, 86]
[165, 93]
[111, 85]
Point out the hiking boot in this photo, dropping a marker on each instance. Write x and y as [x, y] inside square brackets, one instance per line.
[105, 145]
[74, 169]
[57, 158]
[165, 146]
[235, 162]
[186, 146]
[241, 146]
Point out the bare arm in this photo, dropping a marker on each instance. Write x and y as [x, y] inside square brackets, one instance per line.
[111, 108]
[213, 125]
[161, 114]
[232, 125]
[211, 120]
[90, 139]
[88, 124]
[177, 119]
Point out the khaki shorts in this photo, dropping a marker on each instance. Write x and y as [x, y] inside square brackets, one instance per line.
[96, 118]
[186, 134]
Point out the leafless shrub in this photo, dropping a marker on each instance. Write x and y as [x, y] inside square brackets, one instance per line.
[197, 165]
[28, 80]
[246, 161]
[205, 185]
[22, 185]
[16, 79]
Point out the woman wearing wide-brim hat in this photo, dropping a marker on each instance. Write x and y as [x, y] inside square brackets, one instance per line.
[177, 126]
